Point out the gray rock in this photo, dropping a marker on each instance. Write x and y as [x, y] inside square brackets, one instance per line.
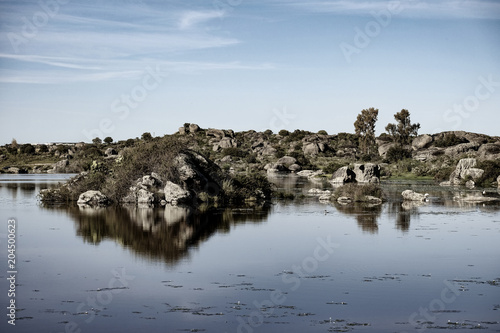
[175, 194]
[372, 199]
[413, 196]
[182, 130]
[489, 151]
[309, 173]
[324, 197]
[226, 142]
[421, 141]
[216, 133]
[311, 149]
[344, 200]
[226, 159]
[93, 199]
[462, 148]
[268, 151]
[287, 161]
[276, 168]
[470, 184]
[343, 175]
[465, 168]
[145, 197]
[318, 192]
[294, 168]
[61, 165]
[193, 128]
[384, 148]
[367, 173]
[498, 181]
[110, 151]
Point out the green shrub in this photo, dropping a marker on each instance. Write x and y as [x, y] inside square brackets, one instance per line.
[322, 132]
[396, 153]
[491, 172]
[284, 132]
[251, 158]
[129, 142]
[450, 140]
[43, 149]
[235, 152]
[443, 174]
[27, 149]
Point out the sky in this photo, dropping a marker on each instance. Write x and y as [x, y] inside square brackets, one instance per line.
[73, 70]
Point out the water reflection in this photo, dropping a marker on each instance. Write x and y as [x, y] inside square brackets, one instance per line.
[165, 234]
[366, 214]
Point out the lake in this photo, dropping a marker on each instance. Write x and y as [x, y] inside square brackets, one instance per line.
[294, 266]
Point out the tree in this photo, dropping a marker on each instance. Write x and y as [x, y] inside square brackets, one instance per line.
[27, 149]
[404, 131]
[108, 140]
[96, 141]
[146, 136]
[364, 127]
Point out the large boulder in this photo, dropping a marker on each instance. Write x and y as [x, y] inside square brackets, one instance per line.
[464, 169]
[224, 143]
[93, 199]
[414, 196]
[343, 175]
[421, 141]
[384, 148]
[489, 151]
[110, 152]
[367, 173]
[193, 128]
[462, 148]
[145, 197]
[175, 194]
[311, 149]
[287, 161]
[275, 168]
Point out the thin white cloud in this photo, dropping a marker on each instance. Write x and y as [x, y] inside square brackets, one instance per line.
[477, 9]
[192, 19]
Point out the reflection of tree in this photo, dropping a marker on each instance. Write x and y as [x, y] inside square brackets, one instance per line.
[158, 233]
[403, 213]
[366, 214]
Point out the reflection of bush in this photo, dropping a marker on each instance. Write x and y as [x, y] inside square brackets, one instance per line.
[158, 233]
[366, 215]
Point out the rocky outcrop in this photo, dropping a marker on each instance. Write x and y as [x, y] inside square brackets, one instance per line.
[110, 152]
[310, 174]
[367, 173]
[343, 175]
[287, 161]
[174, 194]
[489, 151]
[414, 196]
[421, 141]
[93, 199]
[462, 148]
[143, 192]
[225, 142]
[465, 169]
[384, 148]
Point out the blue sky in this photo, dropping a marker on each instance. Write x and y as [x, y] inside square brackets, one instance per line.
[72, 70]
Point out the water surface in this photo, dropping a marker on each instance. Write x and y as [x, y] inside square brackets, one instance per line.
[300, 266]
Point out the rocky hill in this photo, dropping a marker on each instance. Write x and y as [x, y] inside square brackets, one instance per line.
[311, 154]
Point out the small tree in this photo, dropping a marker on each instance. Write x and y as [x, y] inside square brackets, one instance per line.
[96, 141]
[146, 136]
[108, 140]
[404, 131]
[364, 126]
[27, 149]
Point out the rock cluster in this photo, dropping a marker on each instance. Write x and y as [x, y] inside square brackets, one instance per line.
[360, 173]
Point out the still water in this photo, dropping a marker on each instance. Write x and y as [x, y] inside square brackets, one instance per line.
[295, 266]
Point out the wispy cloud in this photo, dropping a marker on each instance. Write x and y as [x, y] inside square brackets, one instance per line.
[191, 19]
[478, 9]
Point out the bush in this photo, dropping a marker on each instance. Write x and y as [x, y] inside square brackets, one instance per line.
[443, 174]
[251, 158]
[333, 166]
[43, 149]
[27, 149]
[322, 132]
[284, 132]
[491, 172]
[396, 153]
[249, 186]
[129, 142]
[108, 140]
[450, 140]
[235, 152]
[357, 192]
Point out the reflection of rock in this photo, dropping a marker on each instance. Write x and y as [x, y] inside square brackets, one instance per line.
[409, 205]
[414, 196]
[92, 198]
[164, 234]
[474, 198]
